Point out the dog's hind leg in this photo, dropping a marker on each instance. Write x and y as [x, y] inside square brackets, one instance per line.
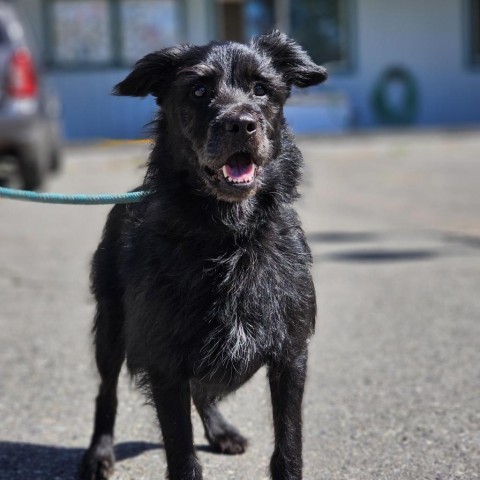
[222, 436]
[99, 459]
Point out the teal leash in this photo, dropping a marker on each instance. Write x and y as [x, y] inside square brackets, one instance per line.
[75, 199]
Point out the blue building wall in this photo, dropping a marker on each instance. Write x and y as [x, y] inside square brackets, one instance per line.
[90, 111]
[428, 38]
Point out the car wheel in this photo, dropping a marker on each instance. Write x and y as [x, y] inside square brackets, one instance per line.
[56, 160]
[31, 171]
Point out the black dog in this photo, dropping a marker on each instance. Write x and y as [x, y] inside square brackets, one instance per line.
[208, 278]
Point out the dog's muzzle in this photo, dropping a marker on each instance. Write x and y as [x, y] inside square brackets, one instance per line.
[236, 150]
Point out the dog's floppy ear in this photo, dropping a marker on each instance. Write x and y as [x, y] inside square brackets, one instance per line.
[153, 73]
[290, 59]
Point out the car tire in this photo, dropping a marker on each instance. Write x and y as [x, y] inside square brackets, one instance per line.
[31, 171]
[56, 160]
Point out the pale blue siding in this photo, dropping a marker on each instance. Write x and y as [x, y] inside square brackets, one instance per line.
[426, 37]
[90, 111]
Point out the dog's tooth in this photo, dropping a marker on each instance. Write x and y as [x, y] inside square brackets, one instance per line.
[238, 181]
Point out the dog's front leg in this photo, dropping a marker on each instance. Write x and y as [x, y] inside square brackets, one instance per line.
[287, 381]
[172, 402]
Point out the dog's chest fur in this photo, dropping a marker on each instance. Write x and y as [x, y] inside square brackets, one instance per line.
[248, 317]
[221, 309]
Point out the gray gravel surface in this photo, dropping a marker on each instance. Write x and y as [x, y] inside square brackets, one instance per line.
[394, 374]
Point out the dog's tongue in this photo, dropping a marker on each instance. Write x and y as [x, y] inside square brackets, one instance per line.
[239, 172]
[239, 167]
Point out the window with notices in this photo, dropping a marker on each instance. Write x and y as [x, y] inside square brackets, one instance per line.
[473, 18]
[92, 33]
[325, 29]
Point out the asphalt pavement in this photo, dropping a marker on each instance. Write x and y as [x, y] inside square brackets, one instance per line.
[393, 388]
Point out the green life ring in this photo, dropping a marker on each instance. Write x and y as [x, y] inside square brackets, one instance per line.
[385, 112]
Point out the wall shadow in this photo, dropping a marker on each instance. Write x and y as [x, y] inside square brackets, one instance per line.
[378, 246]
[378, 256]
[341, 237]
[465, 240]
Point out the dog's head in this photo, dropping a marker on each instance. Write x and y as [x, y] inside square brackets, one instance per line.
[223, 103]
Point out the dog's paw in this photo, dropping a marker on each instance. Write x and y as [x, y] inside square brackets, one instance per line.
[229, 441]
[97, 463]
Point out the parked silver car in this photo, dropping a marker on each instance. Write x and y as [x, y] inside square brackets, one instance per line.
[29, 112]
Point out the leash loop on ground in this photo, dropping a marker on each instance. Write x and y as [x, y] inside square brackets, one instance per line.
[74, 199]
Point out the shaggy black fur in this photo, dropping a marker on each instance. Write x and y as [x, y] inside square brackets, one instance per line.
[206, 280]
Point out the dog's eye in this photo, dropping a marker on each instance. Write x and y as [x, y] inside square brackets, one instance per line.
[199, 91]
[259, 90]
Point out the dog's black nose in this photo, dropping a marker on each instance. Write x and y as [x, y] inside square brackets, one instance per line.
[242, 124]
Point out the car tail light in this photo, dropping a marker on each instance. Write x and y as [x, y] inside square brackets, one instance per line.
[22, 77]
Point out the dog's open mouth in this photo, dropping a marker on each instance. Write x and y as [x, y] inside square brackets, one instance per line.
[239, 170]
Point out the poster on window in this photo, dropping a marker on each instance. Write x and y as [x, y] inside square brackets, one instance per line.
[82, 32]
[146, 26]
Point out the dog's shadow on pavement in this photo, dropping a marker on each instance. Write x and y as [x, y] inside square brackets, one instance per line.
[26, 461]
